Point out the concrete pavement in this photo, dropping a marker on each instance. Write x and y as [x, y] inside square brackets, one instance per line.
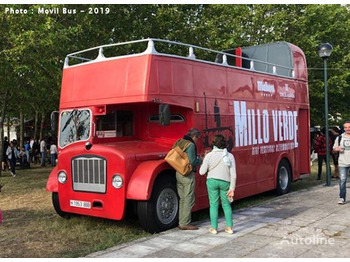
[302, 224]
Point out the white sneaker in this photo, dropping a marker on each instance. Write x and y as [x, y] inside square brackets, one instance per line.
[341, 201]
[213, 231]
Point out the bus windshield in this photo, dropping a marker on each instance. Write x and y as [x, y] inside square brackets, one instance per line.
[75, 126]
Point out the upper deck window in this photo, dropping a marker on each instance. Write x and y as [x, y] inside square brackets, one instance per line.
[116, 124]
[75, 126]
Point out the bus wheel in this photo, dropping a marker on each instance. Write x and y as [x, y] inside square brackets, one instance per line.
[284, 177]
[160, 212]
[56, 205]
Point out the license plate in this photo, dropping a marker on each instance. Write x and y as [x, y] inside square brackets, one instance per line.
[81, 204]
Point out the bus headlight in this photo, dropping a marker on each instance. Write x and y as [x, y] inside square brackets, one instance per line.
[117, 181]
[62, 177]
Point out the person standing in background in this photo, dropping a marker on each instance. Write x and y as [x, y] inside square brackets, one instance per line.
[4, 162]
[321, 150]
[333, 134]
[343, 147]
[53, 153]
[27, 153]
[43, 152]
[12, 155]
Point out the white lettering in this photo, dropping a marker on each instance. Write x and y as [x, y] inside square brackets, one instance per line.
[290, 124]
[295, 114]
[285, 125]
[253, 128]
[274, 121]
[266, 87]
[259, 127]
[255, 150]
[69, 11]
[267, 149]
[314, 240]
[13, 11]
[280, 126]
[48, 11]
[266, 130]
[240, 123]
[249, 128]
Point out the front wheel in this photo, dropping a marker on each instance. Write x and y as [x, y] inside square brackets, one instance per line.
[56, 205]
[284, 177]
[160, 212]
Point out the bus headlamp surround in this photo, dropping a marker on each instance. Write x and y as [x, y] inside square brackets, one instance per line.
[117, 181]
[62, 177]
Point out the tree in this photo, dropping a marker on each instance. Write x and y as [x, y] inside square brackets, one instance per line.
[34, 45]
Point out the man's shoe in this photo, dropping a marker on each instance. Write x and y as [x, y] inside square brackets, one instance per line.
[341, 201]
[188, 227]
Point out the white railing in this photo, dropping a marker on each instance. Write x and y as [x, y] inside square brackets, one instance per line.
[97, 54]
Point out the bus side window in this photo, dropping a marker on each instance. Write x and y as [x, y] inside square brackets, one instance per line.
[125, 123]
[116, 124]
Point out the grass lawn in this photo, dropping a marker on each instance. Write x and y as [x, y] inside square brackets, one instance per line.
[31, 227]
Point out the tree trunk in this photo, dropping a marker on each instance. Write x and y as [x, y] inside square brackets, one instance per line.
[2, 120]
[8, 129]
[21, 129]
[42, 125]
[36, 119]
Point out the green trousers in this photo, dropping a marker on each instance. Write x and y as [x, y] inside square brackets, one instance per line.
[185, 189]
[217, 189]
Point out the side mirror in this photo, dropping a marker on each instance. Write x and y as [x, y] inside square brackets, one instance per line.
[54, 120]
[164, 114]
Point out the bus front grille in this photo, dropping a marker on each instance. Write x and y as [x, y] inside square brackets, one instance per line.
[89, 174]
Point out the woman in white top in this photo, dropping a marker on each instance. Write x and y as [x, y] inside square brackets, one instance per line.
[220, 167]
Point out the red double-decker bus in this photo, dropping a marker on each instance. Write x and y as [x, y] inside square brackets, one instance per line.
[122, 107]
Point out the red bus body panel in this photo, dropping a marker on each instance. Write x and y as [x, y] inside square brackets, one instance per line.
[265, 115]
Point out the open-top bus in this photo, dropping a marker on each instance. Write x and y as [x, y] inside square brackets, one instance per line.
[122, 107]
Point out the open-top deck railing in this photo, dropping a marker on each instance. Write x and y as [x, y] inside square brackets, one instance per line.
[210, 56]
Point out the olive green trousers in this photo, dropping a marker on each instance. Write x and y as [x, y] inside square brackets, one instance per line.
[185, 190]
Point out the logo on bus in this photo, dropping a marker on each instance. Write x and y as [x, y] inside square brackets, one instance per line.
[266, 88]
[287, 92]
[266, 130]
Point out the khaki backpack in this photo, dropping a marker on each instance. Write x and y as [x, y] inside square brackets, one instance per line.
[179, 160]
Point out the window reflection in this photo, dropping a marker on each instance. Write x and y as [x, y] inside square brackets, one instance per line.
[75, 126]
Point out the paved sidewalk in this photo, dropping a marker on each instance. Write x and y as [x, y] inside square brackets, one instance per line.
[307, 223]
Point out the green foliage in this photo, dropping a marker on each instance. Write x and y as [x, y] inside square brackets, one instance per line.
[34, 45]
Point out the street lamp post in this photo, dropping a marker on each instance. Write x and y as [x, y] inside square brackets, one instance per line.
[324, 51]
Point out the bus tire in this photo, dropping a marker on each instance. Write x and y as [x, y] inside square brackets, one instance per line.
[56, 205]
[284, 177]
[161, 211]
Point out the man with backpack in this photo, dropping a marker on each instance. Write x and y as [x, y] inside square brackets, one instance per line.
[185, 183]
[342, 145]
